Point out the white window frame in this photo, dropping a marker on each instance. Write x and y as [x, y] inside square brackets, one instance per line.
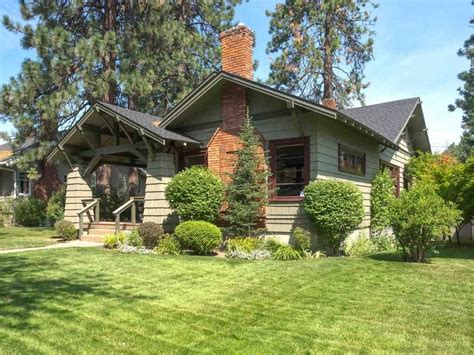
[19, 184]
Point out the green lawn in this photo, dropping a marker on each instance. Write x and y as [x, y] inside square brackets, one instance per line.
[21, 237]
[99, 301]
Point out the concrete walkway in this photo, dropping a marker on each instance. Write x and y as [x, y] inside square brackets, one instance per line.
[70, 244]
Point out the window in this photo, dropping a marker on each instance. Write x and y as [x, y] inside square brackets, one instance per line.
[351, 161]
[290, 168]
[191, 158]
[24, 184]
[394, 173]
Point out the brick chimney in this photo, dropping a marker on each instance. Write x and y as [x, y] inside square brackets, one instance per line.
[329, 103]
[237, 51]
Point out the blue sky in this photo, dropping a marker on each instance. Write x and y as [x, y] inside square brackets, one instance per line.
[415, 55]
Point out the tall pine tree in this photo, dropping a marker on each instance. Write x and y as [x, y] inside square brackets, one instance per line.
[143, 55]
[247, 192]
[321, 48]
[465, 102]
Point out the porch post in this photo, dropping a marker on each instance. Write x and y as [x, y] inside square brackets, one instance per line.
[159, 172]
[76, 190]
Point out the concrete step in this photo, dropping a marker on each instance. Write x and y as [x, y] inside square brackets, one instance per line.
[100, 231]
[93, 238]
[110, 226]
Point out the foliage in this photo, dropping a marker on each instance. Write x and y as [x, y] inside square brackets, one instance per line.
[113, 241]
[286, 252]
[452, 180]
[7, 207]
[244, 244]
[335, 208]
[131, 249]
[29, 212]
[134, 239]
[247, 192]
[56, 203]
[381, 196]
[420, 218]
[150, 232]
[200, 236]
[316, 255]
[195, 194]
[144, 55]
[321, 48]
[384, 240]
[359, 245]
[65, 229]
[465, 102]
[256, 254]
[302, 239]
[272, 244]
[168, 245]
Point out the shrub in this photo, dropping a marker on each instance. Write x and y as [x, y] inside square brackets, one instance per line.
[133, 239]
[257, 254]
[56, 203]
[130, 249]
[335, 208]
[150, 232]
[29, 212]
[168, 246]
[420, 218]
[302, 239]
[244, 244]
[381, 196]
[316, 255]
[65, 230]
[359, 246]
[200, 236]
[383, 240]
[113, 241]
[195, 194]
[286, 252]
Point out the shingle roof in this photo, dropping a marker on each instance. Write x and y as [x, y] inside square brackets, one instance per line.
[387, 119]
[149, 122]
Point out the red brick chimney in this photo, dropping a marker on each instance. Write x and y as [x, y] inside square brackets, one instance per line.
[237, 51]
[330, 103]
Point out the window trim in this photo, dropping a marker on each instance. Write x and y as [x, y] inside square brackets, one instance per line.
[382, 165]
[355, 152]
[19, 184]
[273, 145]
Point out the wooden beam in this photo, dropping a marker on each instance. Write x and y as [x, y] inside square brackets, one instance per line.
[86, 138]
[138, 155]
[125, 131]
[113, 149]
[92, 165]
[148, 145]
[109, 126]
[66, 156]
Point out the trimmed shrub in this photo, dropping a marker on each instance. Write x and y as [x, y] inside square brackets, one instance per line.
[257, 254]
[168, 246]
[150, 232]
[420, 219]
[29, 212]
[335, 208]
[195, 194]
[65, 230]
[200, 236]
[286, 252]
[133, 239]
[272, 244]
[56, 203]
[381, 196]
[244, 244]
[302, 239]
[113, 241]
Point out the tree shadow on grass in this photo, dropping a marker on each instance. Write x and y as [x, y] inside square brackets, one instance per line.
[387, 256]
[27, 287]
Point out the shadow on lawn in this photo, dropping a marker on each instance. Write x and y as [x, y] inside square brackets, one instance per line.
[28, 287]
[452, 252]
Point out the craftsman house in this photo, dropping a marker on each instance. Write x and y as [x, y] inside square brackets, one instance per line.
[305, 140]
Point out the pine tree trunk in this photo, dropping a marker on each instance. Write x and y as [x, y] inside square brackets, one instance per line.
[110, 24]
[327, 57]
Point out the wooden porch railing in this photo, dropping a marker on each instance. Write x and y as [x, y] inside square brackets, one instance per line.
[130, 203]
[89, 204]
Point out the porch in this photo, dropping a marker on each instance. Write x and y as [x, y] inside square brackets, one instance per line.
[111, 135]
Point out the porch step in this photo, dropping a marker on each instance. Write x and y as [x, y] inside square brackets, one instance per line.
[109, 226]
[93, 238]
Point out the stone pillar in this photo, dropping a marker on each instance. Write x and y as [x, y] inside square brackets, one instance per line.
[77, 189]
[159, 172]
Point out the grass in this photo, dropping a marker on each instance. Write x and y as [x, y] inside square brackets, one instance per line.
[21, 237]
[96, 301]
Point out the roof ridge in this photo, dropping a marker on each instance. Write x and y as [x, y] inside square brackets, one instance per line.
[382, 103]
[128, 109]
